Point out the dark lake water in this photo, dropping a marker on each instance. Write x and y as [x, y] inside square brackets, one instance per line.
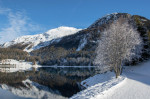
[43, 83]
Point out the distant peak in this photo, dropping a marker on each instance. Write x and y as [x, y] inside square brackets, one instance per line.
[66, 27]
[108, 18]
[41, 40]
[62, 29]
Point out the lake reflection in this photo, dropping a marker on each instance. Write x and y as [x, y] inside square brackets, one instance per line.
[44, 82]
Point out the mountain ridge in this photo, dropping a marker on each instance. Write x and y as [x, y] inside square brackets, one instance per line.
[32, 42]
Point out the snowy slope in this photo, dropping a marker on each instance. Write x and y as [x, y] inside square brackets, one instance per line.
[98, 85]
[134, 84]
[34, 40]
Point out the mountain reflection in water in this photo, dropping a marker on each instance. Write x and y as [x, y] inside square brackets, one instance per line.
[44, 82]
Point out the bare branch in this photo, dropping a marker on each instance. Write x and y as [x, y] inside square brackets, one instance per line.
[119, 43]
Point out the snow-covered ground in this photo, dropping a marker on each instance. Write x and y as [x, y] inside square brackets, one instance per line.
[133, 84]
[11, 65]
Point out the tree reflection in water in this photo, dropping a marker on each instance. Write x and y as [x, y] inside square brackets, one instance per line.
[46, 81]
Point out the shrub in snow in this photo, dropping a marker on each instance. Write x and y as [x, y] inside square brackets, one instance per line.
[120, 42]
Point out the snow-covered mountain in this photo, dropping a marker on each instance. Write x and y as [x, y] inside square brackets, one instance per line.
[37, 41]
[80, 48]
[33, 90]
[59, 47]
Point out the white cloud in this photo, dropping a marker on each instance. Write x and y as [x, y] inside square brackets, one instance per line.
[18, 25]
[4, 10]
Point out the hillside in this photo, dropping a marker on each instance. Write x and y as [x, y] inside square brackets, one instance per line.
[17, 54]
[79, 49]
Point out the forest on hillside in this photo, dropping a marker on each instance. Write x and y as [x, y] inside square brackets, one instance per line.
[17, 54]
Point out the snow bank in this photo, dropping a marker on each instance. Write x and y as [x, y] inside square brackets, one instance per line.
[143, 68]
[98, 85]
[134, 84]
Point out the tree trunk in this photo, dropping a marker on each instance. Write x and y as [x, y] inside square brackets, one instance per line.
[118, 72]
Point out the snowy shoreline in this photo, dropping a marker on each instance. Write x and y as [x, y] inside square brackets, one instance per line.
[98, 85]
[55, 66]
[11, 65]
[132, 84]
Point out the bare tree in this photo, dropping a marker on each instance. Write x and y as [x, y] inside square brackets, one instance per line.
[119, 43]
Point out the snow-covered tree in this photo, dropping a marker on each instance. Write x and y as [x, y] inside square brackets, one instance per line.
[120, 42]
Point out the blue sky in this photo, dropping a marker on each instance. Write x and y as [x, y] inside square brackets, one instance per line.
[23, 17]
